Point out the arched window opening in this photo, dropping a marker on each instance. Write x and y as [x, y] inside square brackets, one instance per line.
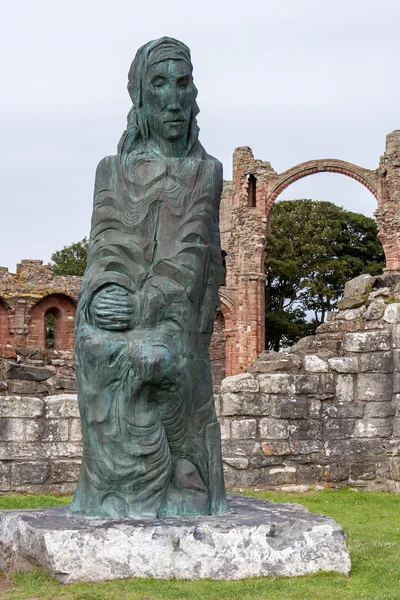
[50, 328]
[251, 190]
[223, 254]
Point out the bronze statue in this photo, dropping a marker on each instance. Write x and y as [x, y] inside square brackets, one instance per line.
[151, 439]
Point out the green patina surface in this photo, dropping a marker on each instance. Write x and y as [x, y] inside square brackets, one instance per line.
[146, 308]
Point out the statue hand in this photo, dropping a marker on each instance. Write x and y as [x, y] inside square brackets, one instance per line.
[112, 308]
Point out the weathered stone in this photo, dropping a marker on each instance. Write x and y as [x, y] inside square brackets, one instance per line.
[363, 471]
[244, 382]
[5, 476]
[344, 388]
[51, 430]
[350, 302]
[243, 429]
[29, 373]
[392, 313]
[61, 471]
[21, 387]
[381, 362]
[62, 406]
[367, 341]
[374, 387]
[334, 473]
[326, 386]
[373, 428]
[314, 364]
[289, 407]
[225, 428]
[336, 410]
[271, 362]
[39, 449]
[276, 383]
[396, 336]
[344, 364]
[245, 403]
[380, 409]
[305, 429]
[305, 447]
[75, 430]
[281, 475]
[270, 538]
[375, 311]
[275, 429]
[359, 286]
[29, 472]
[275, 448]
[16, 406]
[306, 384]
[237, 463]
[380, 295]
[11, 430]
[336, 429]
[65, 384]
[350, 314]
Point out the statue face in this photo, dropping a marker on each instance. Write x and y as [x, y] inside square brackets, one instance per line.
[168, 96]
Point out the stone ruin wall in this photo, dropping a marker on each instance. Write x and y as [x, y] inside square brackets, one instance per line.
[325, 414]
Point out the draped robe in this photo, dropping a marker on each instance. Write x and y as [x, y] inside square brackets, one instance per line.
[151, 439]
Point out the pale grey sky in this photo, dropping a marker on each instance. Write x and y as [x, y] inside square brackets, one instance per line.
[293, 79]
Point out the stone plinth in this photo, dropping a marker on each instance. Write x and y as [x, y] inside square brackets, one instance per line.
[256, 538]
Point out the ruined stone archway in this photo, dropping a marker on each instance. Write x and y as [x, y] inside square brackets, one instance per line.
[245, 207]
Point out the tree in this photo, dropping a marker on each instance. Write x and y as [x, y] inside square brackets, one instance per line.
[313, 249]
[71, 260]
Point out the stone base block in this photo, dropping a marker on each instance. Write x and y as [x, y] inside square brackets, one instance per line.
[256, 538]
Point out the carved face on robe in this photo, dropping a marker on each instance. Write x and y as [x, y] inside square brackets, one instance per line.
[168, 93]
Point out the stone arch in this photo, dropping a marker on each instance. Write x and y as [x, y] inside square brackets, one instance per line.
[311, 167]
[63, 308]
[4, 324]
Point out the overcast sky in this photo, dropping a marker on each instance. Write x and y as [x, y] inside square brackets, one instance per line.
[293, 79]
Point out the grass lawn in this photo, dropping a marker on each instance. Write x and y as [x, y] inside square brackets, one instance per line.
[371, 521]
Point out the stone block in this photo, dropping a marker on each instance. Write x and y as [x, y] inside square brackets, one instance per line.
[359, 286]
[375, 311]
[62, 406]
[270, 539]
[247, 448]
[396, 427]
[272, 362]
[22, 387]
[11, 430]
[350, 315]
[274, 429]
[29, 472]
[336, 472]
[5, 476]
[346, 410]
[29, 373]
[51, 430]
[367, 341]
[289, 407]
[306, 384]
[64, 471]
[39, 450]
[243, 429]
[315, 408]
[344, 388]
[280, 475]
[373, 427]
[275, 448]
[65, 384]
[17, 406]
[365, 472]
[396, 336]
[374, 387]
[392, 313]
[344, 364]
[245, 403]
[245, 382]
[306, 447]
[75, 430]
[236, 462]
[276, 383]
[314, 364]
[225, 428]
[305, 429]
[380, 409]
[326, 386]
[337, 429]
[378, 362]
[396, 383]
[350, 302]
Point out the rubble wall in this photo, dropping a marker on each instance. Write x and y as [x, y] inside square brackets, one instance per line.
[327, 413]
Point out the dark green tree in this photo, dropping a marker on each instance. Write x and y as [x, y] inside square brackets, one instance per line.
[313, 249]
[71, 260]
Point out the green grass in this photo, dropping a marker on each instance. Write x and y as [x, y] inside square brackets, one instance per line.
[371, 521]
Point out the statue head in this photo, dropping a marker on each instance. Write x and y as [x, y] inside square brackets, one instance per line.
[163, 94]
